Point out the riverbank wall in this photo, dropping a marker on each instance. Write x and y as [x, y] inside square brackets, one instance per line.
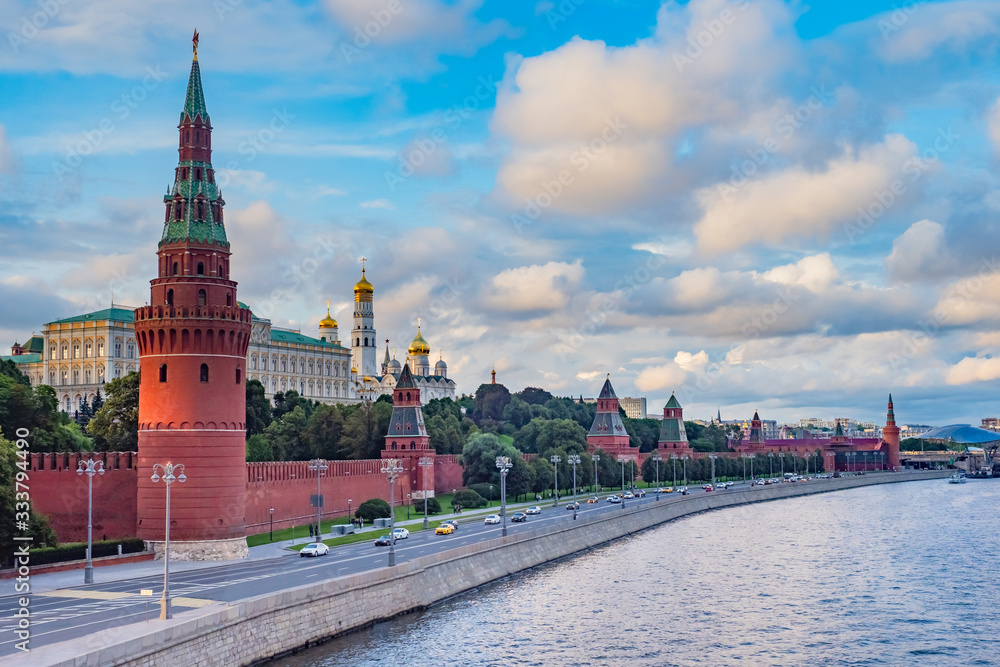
[255, 629]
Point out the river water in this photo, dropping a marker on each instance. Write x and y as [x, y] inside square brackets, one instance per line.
[897, 574]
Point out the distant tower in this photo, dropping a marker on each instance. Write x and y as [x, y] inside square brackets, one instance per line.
[328, 328]
[193, 340]
[417, 355]
[608, 432]
[363, 335]
[673, 437]
[890, 435]
[407, 438]
[387, 360]
[756, 438]
[493, 376]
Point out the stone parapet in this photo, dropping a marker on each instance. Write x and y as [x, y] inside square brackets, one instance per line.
[201, 549]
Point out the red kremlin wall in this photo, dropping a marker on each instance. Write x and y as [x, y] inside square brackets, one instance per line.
[59, 493]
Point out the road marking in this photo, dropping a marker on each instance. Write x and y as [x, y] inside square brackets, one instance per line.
[190, 602]
[88, 595]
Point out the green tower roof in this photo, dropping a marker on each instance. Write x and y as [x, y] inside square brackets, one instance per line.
[194, 103]
[672, 403]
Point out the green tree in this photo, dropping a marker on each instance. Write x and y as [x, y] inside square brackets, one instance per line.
[542, 474]
[324, 434]
[285, 402]
[288, 436]
[564, 435]
[490, 401]
[468, 499]
[258, 408]
[534, 396]
[643, 433]
[376, 508]
[115, 426]
[479, 458]
[11, 463]
[517, 413]
[259, 448]
[365, 429]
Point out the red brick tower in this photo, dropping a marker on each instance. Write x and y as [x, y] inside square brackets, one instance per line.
[755, 441]
[608, 432]
[890, 436]
[407, 439]
[673, 437]
[193, 341]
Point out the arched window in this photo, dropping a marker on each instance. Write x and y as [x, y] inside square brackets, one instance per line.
[394, 445]
[407, 395]
[178, 210]
[175, 268]
[163, 372]
[201, 268]
[366, 341]
[204, 372]
[201, 292]
[170, 292]
[201, 206]
[237, 376]
[357, 342]
[413, 445]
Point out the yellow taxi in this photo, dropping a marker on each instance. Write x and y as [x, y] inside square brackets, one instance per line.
[668, 489]
[444, 529]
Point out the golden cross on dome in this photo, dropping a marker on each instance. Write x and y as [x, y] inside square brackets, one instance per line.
[194, 41]
[363, 260]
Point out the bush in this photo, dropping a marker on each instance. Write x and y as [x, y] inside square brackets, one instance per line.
[433, 506]
[483, 489]
[78, 550]
[468, 499]
[376, 508]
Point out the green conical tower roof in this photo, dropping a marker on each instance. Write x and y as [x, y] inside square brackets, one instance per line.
[672, 403]
[194, 103]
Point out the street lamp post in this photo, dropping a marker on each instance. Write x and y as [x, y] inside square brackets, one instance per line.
[713, 457]
[574, 459]
[391, 469]
[673, 457]
[597, 487]
[90, 468]
[770, 464]
[684, 461]
[744, 457]
[349, 515]
[556, 460]
[425, 462]
[319, 465]
[504, 464]
[781, 462]
[656, 459]
[270, 537]
[169, 473]
[622, 459]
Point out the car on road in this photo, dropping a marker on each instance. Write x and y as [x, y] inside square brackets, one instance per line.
[519, 517]
[315, 549]
[668, 489]
[708, 487]
[614, 499]
[639, 493]
[573, 505]
[492, 519]
[683, 490]
[444, 529]
[450, 522]
[628, 495]
[592, 500]
[534, 509]
[384, 541]
[400, 533]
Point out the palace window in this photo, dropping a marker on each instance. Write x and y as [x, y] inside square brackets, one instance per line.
[284, 366]
[204, 372]
[100, 349]
[163, 372]
[118, 349]
[87, 351]
[86, 376]
[130, 350]
[76, 350]
[253, 362]
[64, 377]
[65, 352]
[52, 352]
[274, 363]
[170, 292]
[52, 378]
[76, 377]
[201, 292]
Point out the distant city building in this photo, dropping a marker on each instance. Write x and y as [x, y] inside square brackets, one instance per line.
[913, 430]
[991, 423]
[635, 408]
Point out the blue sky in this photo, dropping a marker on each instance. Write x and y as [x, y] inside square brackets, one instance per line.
[755, 204]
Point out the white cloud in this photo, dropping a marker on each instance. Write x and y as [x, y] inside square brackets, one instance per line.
[6, 155]
[970, 300]
[920, 253]
[974, 369]
[694, 363]
[798, 201]
[916, 31]
[537, 287]
[816, 273]
[377, 203]
[660, 377]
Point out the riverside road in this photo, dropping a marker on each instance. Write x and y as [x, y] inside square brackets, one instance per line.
[80, 611]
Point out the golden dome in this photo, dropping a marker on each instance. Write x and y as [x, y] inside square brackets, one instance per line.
[327, 321]
[354, 369]
[419, 346]
[363, 286]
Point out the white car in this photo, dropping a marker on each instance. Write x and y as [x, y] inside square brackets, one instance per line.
[492, 519]
[400, 533]
[614, 499]
[315, 549]
[534, 509]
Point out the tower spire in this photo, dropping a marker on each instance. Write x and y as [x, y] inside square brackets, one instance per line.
[194, 43]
